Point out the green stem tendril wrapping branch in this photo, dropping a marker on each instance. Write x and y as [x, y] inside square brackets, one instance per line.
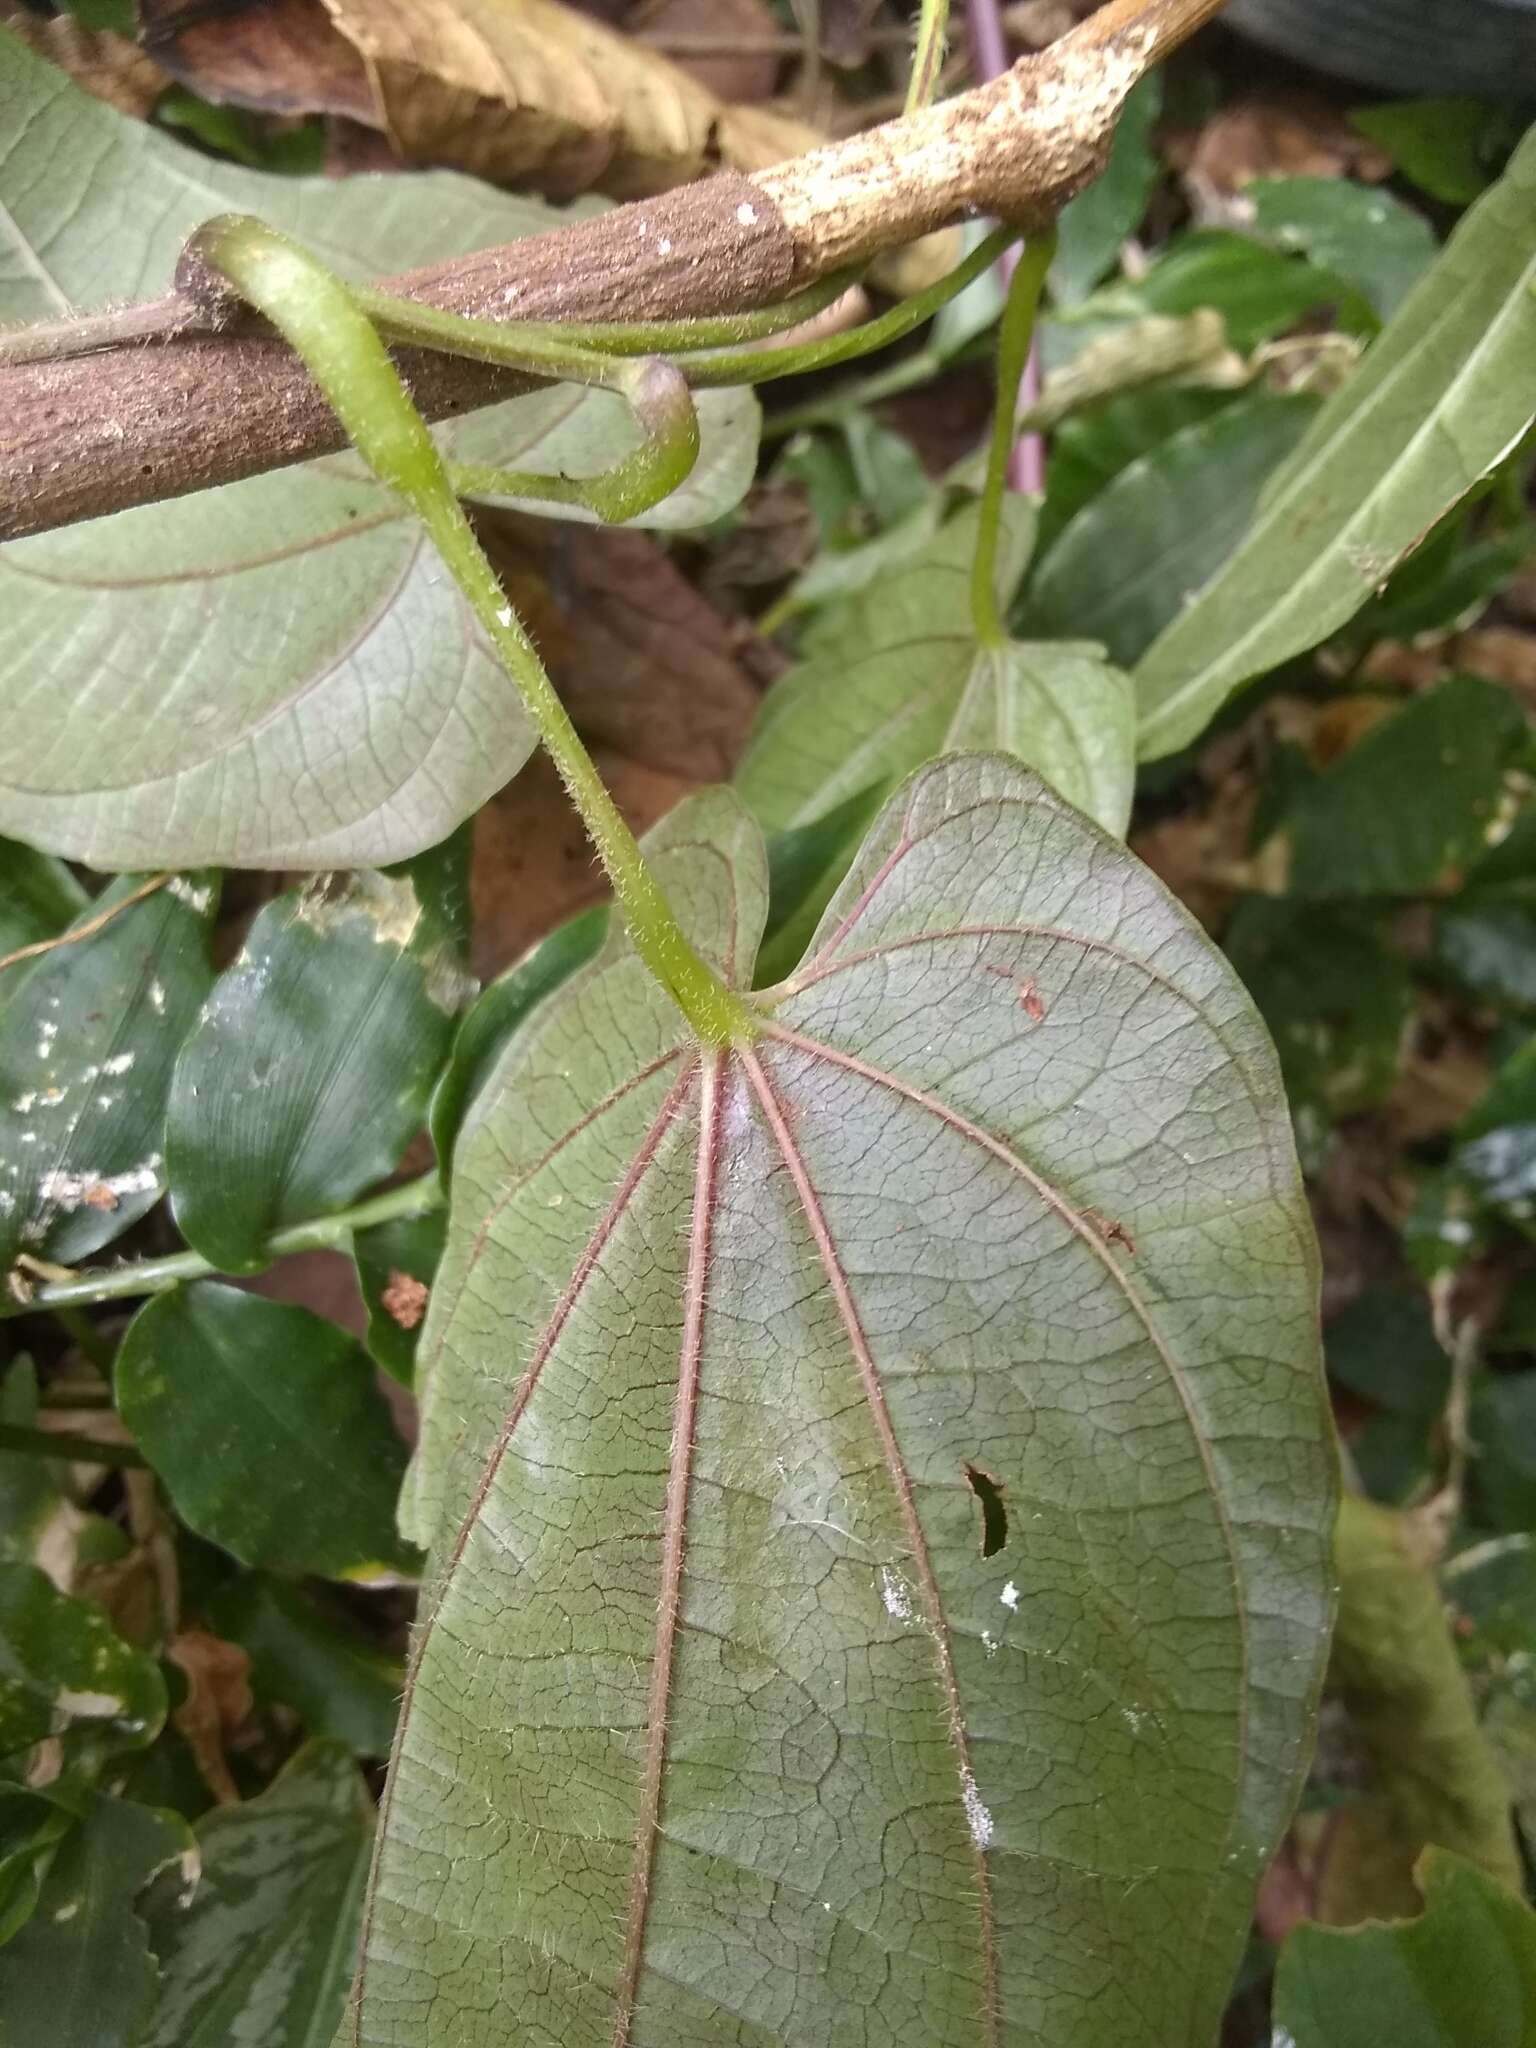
[339, 331]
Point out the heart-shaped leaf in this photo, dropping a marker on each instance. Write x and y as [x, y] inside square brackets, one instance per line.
[279, 673]
[315, 1056]
[899, 675]
[1440, 398]
[878, 1476]
[88, 1037]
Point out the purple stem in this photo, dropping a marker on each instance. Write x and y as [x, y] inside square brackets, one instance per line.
[989, 54]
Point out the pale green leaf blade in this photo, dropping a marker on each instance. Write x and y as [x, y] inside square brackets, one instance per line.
[1463, 1975]
[278, 673]
[1063, 710]
[898, 675]
[81, 1973]
[258, 1949]
[313, 1062]
[88, 1036]
[1444, 393]
[309, 1463]
[781, 1744]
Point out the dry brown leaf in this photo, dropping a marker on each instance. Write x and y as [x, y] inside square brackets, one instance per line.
[727, 45]
[529, 92]
[1503, 654]
[1294, 136]
[218, 1700]
[533, 865]
[273, 57]
[112, 67]
[645, 666]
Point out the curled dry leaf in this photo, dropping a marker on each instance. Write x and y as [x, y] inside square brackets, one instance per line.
[110, 67]
[538, 94]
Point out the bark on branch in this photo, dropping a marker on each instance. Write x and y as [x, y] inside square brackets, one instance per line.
[164, 403]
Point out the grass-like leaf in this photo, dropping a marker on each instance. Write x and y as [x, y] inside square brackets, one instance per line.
[1440, 398]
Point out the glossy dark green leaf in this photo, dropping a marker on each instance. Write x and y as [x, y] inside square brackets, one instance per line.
[777, 1750]
[1383, 1348]
[259, 1948]
[489, 1023]
[396, 1263]
[312, 1065]
[1504, 1431]
[38, 897]
[1442, 146]
[1361, 234]
[32, 1824]
[1337, 1001]
[901, 675]
[267, 1426]
[64, 1669]
[278, 673]
[1463, 1975]
[1413, 800]
[1259, 292]
[29, 1487]
[1136, 553]
[806, 863]
[1440, 398]
[1093, 226]
[1490, 951]
[307, 1654]
[88, 1036]
[1089, 449]
[80, 1973]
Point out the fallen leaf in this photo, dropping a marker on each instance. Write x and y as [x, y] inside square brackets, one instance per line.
[112, 67]
[533, 865]
[218, 1700]
[271, 56]
[1503, 654]
[532, 92]
[1295, 135]
[644, 664]
[726, 45]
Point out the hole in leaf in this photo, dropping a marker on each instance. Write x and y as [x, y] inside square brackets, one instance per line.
[994, 1516]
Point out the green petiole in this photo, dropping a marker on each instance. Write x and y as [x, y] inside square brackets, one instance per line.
[1017, 333]
[320, 318]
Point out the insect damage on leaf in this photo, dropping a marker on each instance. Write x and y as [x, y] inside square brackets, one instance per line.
[811, 1484]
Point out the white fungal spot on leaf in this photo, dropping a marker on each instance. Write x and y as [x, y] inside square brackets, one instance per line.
[976, 1814]
[1010, 1597]
[896, 1595]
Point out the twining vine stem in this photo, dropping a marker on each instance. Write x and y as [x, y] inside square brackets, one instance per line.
[1014, 340]
[928, 55]
[136, 1278]
[183, 393]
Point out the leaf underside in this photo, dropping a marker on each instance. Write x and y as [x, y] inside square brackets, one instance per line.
[722, 1728]
[278, 673]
